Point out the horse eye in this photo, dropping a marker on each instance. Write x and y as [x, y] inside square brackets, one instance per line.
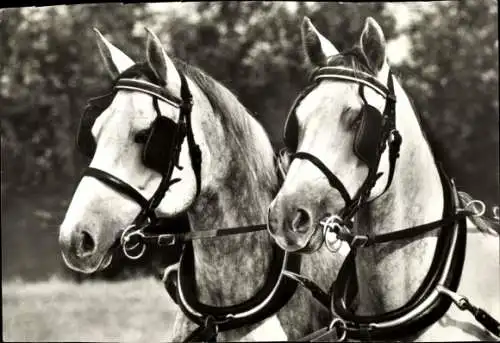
[356, 121]
[142, 136]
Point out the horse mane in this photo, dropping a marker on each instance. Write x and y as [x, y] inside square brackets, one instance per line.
[241, 128]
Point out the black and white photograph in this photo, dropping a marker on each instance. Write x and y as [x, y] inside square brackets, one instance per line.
[233, 171]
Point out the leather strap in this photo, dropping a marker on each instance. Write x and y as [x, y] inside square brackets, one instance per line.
[204, 333]
[310, 285]
[324, 334]
[348, 74]
[425, 306]
[117, 185]
[148, 88]
[165, 239]
[408, 233]
[332, 179]
[358, 200]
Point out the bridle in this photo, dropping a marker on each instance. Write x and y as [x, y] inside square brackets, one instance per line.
[437, 292]
[130, 239]
[148, 229]
[388, 134]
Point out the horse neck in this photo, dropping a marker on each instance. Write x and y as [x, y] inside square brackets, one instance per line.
[231, 269]
[389, 274]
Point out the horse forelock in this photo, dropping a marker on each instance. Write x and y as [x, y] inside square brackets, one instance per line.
[351, 58]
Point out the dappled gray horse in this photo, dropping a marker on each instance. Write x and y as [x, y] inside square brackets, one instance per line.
[170, 140]
[347, 131]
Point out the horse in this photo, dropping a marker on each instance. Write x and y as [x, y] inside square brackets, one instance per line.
[170, 140]
[363, 171]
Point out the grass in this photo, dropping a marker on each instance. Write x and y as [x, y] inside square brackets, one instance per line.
[95, 311]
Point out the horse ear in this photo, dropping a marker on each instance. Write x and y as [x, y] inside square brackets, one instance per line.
[161, 64]
[316, 46]
[373, 45]
[114, 59]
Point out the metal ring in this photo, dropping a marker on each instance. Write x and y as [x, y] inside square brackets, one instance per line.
[342, 326]
[127, 238]
[329, 225]
[333, 246]
[496, 214]
[135, 257]
[125, 233]
[330, 222]
[481, 204]
[126, 249]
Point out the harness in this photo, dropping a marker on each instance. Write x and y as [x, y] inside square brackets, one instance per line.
[437, 291]
[162, 144]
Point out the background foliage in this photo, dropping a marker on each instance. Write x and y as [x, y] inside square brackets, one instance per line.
[50, 66]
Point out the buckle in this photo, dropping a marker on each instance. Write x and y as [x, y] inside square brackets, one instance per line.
[391, 96]
[166, 239]
[358, 241]
[395, 137]
[211, 327]
[187, 104]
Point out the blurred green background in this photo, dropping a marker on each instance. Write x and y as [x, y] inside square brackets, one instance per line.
[445, 53]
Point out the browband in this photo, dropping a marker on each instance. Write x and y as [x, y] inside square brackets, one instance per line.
[148, 88]
[346, 74]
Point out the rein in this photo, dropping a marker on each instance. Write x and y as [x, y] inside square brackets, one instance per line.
[168, 239]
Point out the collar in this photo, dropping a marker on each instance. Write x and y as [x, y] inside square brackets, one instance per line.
[426, 306]
[272, 296]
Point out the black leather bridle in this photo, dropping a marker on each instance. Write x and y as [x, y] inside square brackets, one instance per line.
[437, 291]
[389, 134]
[130, 239]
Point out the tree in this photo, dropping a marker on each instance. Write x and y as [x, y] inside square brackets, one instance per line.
[453, 78]
[50, 65]
[255, 49]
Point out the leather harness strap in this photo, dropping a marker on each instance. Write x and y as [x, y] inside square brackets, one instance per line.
[426, 305]
[269, 299]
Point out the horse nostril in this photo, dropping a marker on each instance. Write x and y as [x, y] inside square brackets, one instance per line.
[87, 243]
[301, 222]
